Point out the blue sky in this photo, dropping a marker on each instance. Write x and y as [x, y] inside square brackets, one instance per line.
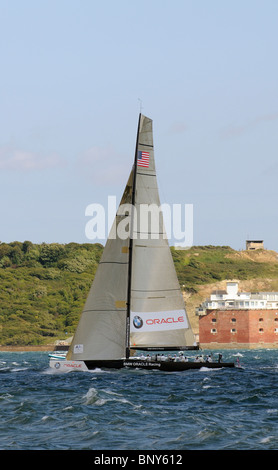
[72, 74]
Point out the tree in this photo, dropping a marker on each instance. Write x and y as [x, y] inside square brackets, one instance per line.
[51, 253]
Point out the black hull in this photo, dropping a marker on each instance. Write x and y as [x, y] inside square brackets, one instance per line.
[167, 366]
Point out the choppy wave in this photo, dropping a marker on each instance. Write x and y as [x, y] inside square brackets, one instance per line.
[135, 409]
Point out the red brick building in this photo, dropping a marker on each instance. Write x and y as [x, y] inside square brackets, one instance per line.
[244, 328]
[235, 319]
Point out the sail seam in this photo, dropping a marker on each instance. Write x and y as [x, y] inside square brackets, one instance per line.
[154, 290]
[145, 174]
[146, 145]
[149, 233]
[113, 262]
[105, 310]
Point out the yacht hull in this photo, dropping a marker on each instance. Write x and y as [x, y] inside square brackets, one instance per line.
[168, 366]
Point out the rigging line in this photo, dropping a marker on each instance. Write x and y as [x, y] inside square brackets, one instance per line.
[141, 104]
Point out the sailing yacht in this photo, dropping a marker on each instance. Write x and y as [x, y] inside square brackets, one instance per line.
[135, 302]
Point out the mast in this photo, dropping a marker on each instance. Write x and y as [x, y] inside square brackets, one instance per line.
[131, 244]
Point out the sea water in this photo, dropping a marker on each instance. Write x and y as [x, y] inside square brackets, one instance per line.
[42, 409]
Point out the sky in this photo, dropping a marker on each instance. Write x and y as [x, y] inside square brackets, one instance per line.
[73, 78]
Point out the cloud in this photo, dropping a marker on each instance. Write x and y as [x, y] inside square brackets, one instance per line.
[21, 160]
[234, 131]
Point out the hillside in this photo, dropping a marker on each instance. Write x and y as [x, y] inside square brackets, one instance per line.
[43, 287]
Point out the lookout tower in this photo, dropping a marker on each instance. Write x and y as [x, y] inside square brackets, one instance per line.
[254, 244]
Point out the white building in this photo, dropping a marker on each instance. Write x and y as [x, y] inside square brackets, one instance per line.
[231, 298]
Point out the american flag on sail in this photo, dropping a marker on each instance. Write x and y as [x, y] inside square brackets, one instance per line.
[143, 159]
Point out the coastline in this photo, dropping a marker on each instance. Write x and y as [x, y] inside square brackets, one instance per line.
[49, 347]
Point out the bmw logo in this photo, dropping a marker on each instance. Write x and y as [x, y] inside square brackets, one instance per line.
[137, 322]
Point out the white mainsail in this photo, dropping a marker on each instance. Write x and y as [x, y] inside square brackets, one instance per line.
[135, 299]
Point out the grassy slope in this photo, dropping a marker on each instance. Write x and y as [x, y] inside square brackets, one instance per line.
[43, 287]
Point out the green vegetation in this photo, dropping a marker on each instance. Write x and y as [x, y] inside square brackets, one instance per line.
[209, 264]
[43, 287]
